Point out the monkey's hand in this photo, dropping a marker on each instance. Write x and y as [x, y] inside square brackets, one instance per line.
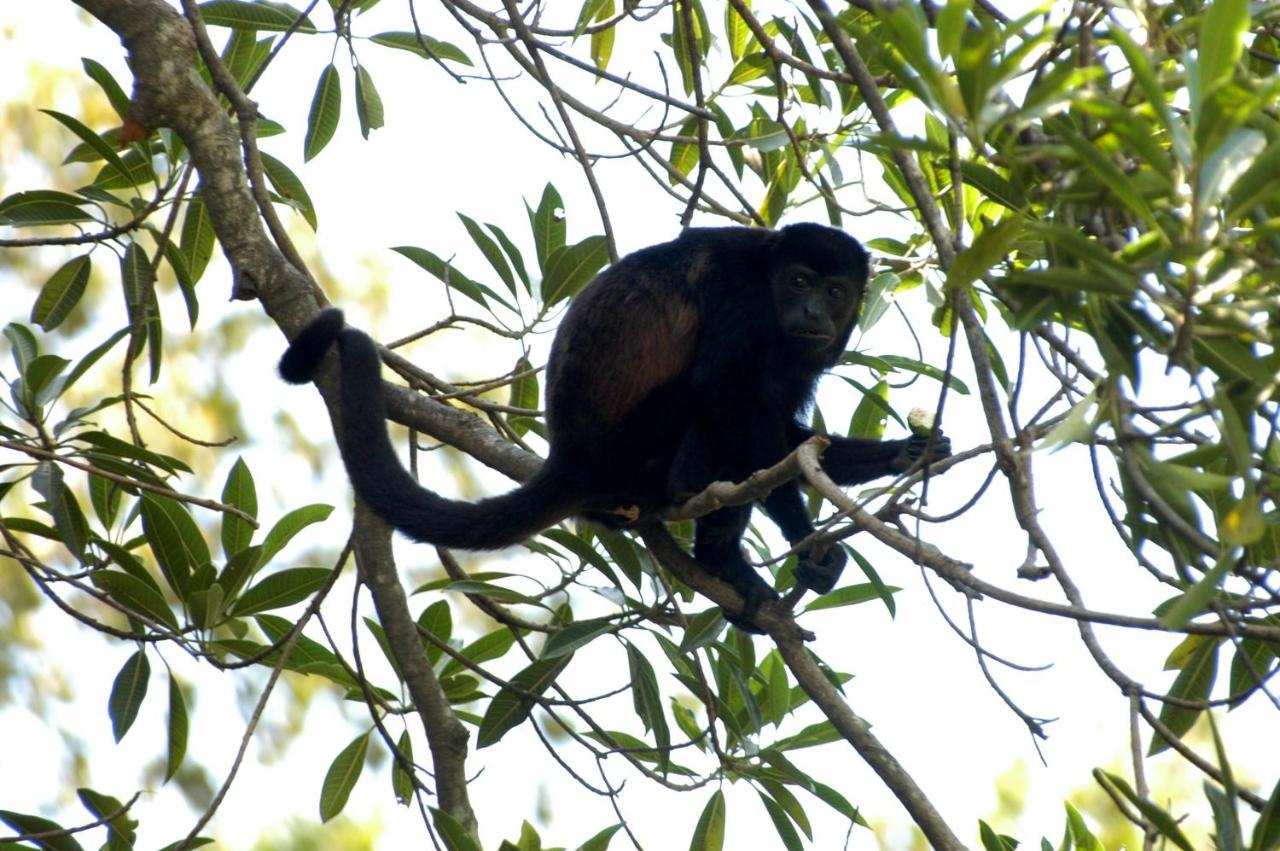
[819, 575]
[914, 448]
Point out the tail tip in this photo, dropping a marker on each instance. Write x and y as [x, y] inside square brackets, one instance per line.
[300, 361]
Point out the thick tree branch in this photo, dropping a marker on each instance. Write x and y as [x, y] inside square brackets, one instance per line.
[169, 93]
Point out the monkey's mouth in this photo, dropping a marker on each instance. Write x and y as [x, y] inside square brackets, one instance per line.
[812, 337]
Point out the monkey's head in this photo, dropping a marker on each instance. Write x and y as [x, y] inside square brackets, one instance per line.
[818, 278]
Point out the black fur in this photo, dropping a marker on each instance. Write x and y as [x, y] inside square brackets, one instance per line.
[683, 364]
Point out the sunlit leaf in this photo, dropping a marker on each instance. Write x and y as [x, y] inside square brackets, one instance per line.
[341, 777]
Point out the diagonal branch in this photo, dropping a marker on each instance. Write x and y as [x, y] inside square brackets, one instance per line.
[169, 93]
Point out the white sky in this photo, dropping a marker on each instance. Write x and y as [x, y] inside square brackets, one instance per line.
[448, 148]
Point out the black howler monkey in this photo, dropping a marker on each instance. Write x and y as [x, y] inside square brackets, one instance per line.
[682, 364]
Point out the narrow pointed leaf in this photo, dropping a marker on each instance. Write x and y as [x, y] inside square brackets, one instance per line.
[238, 491]
[179, 726]
[61, 293]
[341, 777]
[281, 589]
[326, 110]
[127, 693]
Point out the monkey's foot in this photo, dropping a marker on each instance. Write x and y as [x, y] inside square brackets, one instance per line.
[754, 594]
[628, 513]
[820, 575]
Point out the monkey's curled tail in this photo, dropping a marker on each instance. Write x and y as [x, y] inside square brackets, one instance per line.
[375, 470]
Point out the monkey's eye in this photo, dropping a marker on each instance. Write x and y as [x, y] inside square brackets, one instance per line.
[836, 293]
[800, 283]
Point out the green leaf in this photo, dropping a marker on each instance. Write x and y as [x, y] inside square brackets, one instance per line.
[1257, 184]
[548, 223]
[289, 187]
[872, 412]
[115, 94]
[1068, 280]
[575, 636]
[238, 569]
[851, 595]
[40, 380]
[238, 492]
[1096, 161]
[446, 272]
[197, 238]
[1140, 67]
[368, 103]
[135, 273]
[60, 293]
[138, 171]
[128, 692]
[781, 824]
[90, 359]
[179, 726]
[289, 525]
[602, 40]
[136, 595]
[1266, 833]
[990, 248]
[647, 700]
[93, 140]
[992, 841]
[1222, 29]
[1229, 162]
[1193, 683]
[492, 645]
[72, 528]
[684, 155]
[121, 828]
[42, 207]
[600, 842]
[341, 777]
[25, 346]
[492, 591]
[1226, 824]
[175, 540]
[326, 109]
[517, 260]
[454, 834]
[709, 834]
[59, 840]
[993, 185]
[244, 54]
[1252, 662]
[570, 268]
[510, 707]
[704, 628]
[240, 15]
[1159, 818]
[434, 47]
[281, 589]
[736, 31]
[1197, 597]
[1244, 523]
[104, 496]
[436, 619]
[490, 250]
[401, 778]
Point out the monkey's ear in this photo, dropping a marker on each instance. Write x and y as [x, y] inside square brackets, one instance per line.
[302, 358]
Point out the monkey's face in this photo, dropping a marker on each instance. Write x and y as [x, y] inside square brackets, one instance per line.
[816, 311]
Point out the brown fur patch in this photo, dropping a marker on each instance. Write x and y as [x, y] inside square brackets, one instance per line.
[653, 345]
